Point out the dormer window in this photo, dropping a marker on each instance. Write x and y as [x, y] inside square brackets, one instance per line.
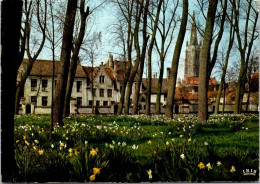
[101, 79]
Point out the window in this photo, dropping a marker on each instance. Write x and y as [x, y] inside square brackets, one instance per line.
[44, 85]
[44, 101]
[90, 102]
[94, 91]
[109, 93]
[101, 92]
[79, 101]
[34, 99]
[79, 85]
[140, 107]
[101, 79]
[33, 84]
[105, 103]
[97, 103]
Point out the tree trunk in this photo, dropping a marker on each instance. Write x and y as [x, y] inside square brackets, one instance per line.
[11, 14]
[159, 89]
[74, 59]
[217, 42]
[139, 8]
[175, 61]
[141, 57]
[62, 75]
[129, 59]
[230, 45]
[204, 60]
[224, 98]
[150, 49]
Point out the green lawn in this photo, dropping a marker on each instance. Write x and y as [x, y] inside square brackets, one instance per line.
[130, 146]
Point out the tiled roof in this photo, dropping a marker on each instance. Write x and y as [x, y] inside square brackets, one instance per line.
[90, 72]
[155, 85]
[195, 81]
[45, 68]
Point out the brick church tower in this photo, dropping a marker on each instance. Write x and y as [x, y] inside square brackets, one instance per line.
[192, 53]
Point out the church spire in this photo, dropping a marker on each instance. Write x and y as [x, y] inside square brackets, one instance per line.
[193, 37]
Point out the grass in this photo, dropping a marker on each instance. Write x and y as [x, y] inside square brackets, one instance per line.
[129, 146]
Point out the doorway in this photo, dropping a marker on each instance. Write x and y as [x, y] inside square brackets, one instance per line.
[28, 109]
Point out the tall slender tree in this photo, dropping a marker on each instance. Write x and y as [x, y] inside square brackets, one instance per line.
[139, 11]
[74, 59]
[204, 60]
[126, 9]
[64, 62]
[248, 10]
[175, 60]
[166, 29]
[224, 69]
[150, 49]
[141, 56]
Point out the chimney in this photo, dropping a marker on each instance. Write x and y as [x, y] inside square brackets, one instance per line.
[101, 64]
[168, 72]
[110, 61]
[155, 75]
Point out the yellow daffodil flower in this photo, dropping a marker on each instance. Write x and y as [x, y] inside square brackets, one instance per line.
[96, 170]
[167, 143]
[189, 140]
[181, 136]
[201, 165]
[149, 172]
[24, 137]
[182, 156]
[206, 144]
[17, 141]
[40, 152]
[92, 177]
[219, 163]
[67, 138]
[233, 169]
[149, 142]
[93, 152]
[70, 150]
[154, 152]
[208, 166]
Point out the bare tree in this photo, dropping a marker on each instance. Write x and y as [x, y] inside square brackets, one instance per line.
[253, 67]
[224, 69]
[140, 53]
[204, 60]
[11, 13]
[66, 48]
[166, 28]
[248, 10]
[73, 64]
[139, 11]
[126, 11]
[150, 49]
[41, 16]
[175, 60]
